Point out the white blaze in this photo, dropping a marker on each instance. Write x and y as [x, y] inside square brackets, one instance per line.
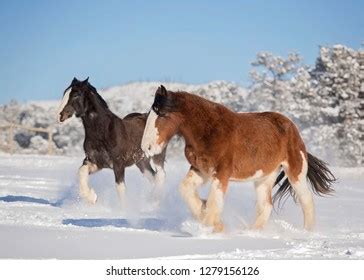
[150, 136]
[64, 102]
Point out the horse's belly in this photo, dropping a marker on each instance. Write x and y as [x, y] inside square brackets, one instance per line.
[243, 177]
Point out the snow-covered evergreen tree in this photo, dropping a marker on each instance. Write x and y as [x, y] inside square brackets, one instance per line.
[324, 99]
[338, 81]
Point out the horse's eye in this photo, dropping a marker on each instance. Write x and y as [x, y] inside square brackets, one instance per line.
[162, 115]
[76, 94]
[155, 109]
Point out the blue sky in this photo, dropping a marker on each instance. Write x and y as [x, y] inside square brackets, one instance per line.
[44, 44]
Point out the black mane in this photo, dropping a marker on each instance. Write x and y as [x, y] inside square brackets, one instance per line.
[164, 101]
[99, 98]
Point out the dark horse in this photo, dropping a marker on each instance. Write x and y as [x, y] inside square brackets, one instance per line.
[110, 142]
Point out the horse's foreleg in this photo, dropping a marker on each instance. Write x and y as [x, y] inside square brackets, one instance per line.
[188, 190]
[215, 205]
[86, 191]
[263, 189]
[119, 172]
[157, 163]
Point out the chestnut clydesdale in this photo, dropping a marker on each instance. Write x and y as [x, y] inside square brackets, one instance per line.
[223, 146]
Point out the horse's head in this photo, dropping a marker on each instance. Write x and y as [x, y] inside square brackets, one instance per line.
[163, 122]
[75, 100]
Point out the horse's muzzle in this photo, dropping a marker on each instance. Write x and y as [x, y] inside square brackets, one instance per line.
[63, 116]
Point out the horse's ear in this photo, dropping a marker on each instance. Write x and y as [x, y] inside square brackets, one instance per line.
[85, 81]
[163, 90]
[74, 80]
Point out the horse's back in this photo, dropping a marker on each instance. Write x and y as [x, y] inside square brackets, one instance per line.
[265, 122]
[137, 120]
[263, 141]
[134, 124]
[136, 115]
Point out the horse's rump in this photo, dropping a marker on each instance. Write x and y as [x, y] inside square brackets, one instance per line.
[259, 142]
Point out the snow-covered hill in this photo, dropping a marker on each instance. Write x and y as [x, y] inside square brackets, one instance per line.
[139, 95]
[41, 216]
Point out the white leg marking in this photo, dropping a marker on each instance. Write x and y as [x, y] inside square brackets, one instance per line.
[150, 136]
[64, 102]
[85, 191]
[304, 196]
[263, 189]
[188, 190]
[214, 204]
[120, 187]
[159, 177]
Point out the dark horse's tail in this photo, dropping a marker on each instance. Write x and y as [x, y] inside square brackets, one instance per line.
[318, 175]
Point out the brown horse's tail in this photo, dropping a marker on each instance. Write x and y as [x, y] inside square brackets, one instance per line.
[320, 177]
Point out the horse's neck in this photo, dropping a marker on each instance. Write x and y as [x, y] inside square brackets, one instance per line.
[192, 131]
[202, 126]
[95, 122]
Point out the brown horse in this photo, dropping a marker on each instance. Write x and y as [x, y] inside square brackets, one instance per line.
[224, 146]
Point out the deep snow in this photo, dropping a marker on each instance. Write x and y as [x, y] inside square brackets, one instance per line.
[41, 216]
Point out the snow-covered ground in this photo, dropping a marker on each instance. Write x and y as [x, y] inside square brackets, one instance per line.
[41, 216]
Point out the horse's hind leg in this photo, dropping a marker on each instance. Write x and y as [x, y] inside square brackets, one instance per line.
[86, 191]
[296, 172]
[188, 190]
[263, 189]
[119, 172]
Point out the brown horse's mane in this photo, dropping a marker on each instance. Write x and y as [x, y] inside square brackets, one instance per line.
[196, 107]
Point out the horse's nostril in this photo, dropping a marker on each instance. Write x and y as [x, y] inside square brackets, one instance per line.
[149, 147]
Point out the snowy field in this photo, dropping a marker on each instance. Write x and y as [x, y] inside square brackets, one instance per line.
[41, 216]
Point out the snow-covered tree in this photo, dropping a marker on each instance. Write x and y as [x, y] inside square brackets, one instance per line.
[338, 85]
[270, 88]
[324, 99]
